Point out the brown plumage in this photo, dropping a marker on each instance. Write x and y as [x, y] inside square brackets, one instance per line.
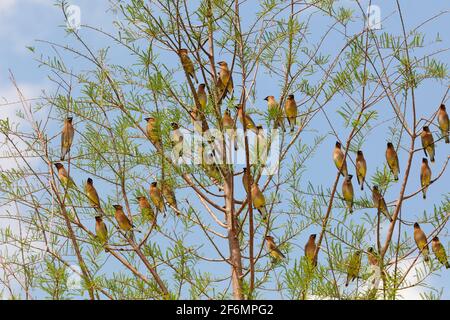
[169, 195]
[188, 66]
[439, 252]
[154, 132]
[202, 96]
[177, 139]
[444, 123]
[428, 143]
[249, 123]
[156, 197]
[274, 109]
[247, 179]
[122, 219]
[421, 241]
[92, 195]
[372, 257]
[310, 250]
[361, 168]
[392, 160]
[100, 230]
[67, 137]
[273, 249]
[425, 176]
[199, 120]
[225, 79]
[146, 209]
[290, 108]
[230, 125]
[379, 202]
[338, 158]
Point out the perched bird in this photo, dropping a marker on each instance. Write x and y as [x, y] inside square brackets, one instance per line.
[202, 96]
[199, 120]
[247, 179]
[258, 199]
[249, 124]
[444, 123]
[63, 176]
[439, 252]
[372, 257]
[347, 192]
[66, 137]
[153, 132]
[274, 109]
[310, 250]
[100, 230]
[177, 139]
[188, 66]
[379, 202]
[353, 267]
[339, 161]
[392, 160]
[169, 195]
[156, 197]
[290, 107]
[230, 125]
[92, 195]
[273, 249]
[428, 142]
[225, 80]
[146, 209]
[361, 168]
[425, 176]
[421, 241]
[261, 147]
[122, 219]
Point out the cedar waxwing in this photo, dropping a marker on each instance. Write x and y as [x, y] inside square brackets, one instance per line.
[188, 66]
[258, 199]
[153, 132]
[379, 202]
[274, 109]
[273, 249]
[225, 80]
[229, 124]
[260, 147]
[169, 195]
[425, 176]
[338, 157]
[353, 267]
[310, 250]
[146, 209]
[290, 108]
[372, 257]
[100, 230]
[122, 219]
[66, 181]
[92, 195]
[250, 125]
[202, 96]
[66, 137]
[347, 192]
[421, 241]
[177, 139]
[444, 123]
[428, 142]
[199, 120]
[247, 179]
[361, 168]
[392, 160]
[156, 197]
[439, 252]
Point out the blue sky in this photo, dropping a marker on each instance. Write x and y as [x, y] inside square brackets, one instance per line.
[24, 21]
